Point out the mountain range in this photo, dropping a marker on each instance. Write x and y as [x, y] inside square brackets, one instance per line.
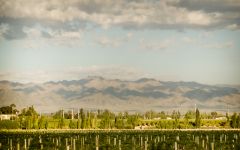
[95, 92]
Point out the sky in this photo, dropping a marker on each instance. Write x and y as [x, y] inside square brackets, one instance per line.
[170, 40]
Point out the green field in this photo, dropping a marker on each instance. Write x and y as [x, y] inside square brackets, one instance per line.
[120, 139]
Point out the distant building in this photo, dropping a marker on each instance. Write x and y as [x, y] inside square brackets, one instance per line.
[7, 116]
[157, 118]
[141, 127]
[221, 118]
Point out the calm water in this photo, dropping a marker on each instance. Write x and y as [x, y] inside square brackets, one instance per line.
[120, 139]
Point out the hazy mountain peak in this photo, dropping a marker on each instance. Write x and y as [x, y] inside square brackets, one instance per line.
[143, 93]
[146, 80]
[95, 77]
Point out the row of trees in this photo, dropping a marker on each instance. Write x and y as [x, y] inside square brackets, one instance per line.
[121, 120]
[30, 119]
[235, 121]
[147, 115]
[189, 114]
[105, 119]
[11, 109]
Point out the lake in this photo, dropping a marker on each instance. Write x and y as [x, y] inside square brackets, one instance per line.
[120, 139]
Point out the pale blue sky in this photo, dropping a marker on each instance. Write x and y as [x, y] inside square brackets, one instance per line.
[204, 48]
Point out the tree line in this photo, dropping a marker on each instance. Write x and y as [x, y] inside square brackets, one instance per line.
[29, 118]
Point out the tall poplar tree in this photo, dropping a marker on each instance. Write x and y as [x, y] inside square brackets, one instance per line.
[198, 119]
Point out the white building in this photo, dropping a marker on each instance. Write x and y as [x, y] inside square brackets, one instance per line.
[221, 118]
[169, 118]
[7, 116]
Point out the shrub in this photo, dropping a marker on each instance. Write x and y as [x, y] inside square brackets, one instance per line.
[9, 124]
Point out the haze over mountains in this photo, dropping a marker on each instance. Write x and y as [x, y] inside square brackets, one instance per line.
[118, 95]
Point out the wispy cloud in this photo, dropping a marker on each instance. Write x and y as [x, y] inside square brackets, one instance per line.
[233, 27]
[108, 41]
[3, 29]
[223, 45]
[37, 35]
[189, 40]
[159, 45]
[206, 44]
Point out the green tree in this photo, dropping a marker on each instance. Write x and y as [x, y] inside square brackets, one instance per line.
[228, 121]
[58, 114]
[238, 121]
[132, 120]
[190, 115]
[9, 109]
[46, 124]
[72, 125]
[61, 123]
[162, 115]
[214, 115]
[88, 120]
[126, 115]
[41, 122]
[29, 118]
[28, 122]
[150, 114]
[79, 123]
[198, 119]
[105, 122]
[119, 121]
[83, 119]
[176, 116]
[234, 120]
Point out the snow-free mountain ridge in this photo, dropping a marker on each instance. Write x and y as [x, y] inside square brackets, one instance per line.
[118, 95]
